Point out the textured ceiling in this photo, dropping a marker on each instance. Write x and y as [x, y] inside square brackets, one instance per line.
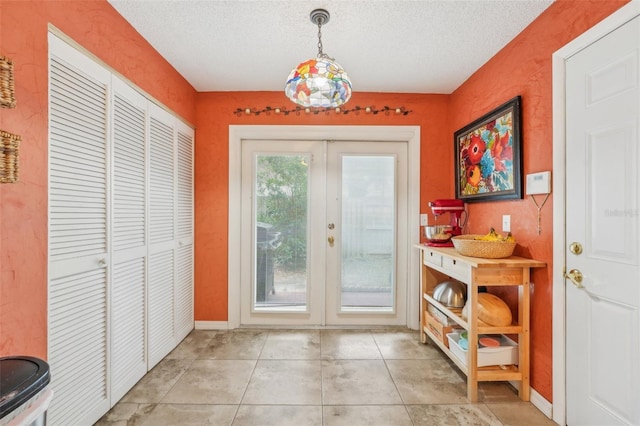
[402, 46]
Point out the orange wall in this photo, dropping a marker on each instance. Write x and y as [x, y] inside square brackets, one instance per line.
[23, 208]
[523, 68]
[215, 112]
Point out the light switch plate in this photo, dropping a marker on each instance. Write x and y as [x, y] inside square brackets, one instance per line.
[538, 183]
[424, 220]
[506, 223]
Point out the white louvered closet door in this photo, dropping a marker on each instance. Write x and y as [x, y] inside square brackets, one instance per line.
[162, 243]
[184, 264]
[78, 237]
[129, 239]
[120, 235]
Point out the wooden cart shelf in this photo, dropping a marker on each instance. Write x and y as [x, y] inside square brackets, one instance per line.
[441, 263]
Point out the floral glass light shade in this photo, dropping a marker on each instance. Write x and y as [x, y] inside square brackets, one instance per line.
[318, 82]
[321, 81]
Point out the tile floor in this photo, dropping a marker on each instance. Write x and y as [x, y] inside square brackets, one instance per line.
[313, 377]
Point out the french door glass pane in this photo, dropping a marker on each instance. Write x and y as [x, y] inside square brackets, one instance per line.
[368, 224]
[281, 237]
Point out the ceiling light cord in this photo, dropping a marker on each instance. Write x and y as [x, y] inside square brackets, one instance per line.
[321, 54]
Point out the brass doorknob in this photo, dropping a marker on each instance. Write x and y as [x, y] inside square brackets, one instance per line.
[331, 240]
[576, 277]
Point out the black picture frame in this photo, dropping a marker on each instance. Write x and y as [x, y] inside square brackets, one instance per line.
[488, 155]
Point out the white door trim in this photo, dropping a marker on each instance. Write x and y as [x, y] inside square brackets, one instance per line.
[615, 20]
[410, 134]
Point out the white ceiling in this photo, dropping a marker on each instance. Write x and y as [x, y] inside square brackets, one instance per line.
[403, 46]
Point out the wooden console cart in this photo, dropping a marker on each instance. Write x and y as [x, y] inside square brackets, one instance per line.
[441, 263]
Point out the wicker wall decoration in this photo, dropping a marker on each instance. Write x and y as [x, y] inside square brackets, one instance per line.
[7, 96]
[9, 150]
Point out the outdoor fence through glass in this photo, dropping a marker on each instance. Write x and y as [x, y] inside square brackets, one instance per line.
[267, 240]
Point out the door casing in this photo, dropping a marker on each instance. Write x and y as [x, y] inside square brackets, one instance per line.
[615, 20]
[410, 134]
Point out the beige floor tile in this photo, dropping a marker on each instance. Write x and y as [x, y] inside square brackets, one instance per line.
[126, 414]
[285, 382]
[292, 344]
[257, 377]
[192, 345]
[157, 382]
[404, 345]
[212, 382]
[368, 415]
[497, 392]
[452, 414]
[277, 415]
[190, 414]
[357, 382]
[348, 344]
[520, 414]
[430, 381]
[235, 344]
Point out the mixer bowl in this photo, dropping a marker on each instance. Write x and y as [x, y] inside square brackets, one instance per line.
[451, 293]
[437, 233]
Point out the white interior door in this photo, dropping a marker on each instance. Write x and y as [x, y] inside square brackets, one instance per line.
[602, 325]
[322, 244]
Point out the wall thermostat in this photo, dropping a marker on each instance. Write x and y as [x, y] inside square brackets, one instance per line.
[538, 183]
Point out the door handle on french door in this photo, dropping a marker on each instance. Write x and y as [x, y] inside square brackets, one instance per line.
[331, 240]
[576, 277]
[575, 248]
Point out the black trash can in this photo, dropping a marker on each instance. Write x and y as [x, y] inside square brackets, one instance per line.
[267, 240]
[24, 392]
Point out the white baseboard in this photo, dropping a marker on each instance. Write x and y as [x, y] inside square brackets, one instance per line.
[211, 325]
[537, 400]
[541, 404]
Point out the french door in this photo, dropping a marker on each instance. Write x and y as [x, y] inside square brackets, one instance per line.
[321, 242]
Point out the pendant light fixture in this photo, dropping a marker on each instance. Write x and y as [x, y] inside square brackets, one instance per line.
[321, 81]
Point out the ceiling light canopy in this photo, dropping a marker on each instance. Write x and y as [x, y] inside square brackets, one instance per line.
[320, 81]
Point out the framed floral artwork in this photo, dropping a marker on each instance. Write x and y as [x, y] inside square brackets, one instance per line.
[487, 156]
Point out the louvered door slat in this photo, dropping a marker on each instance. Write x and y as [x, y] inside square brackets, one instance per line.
[71, 186]
[87, 171]
[83, 145]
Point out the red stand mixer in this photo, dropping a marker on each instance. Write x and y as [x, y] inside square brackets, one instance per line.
[440, 235]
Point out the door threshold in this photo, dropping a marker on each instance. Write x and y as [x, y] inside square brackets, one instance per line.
[325, 327]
